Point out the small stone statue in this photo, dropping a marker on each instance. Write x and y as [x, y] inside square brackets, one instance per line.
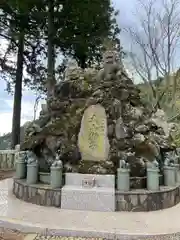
[111, 63]
[169, 160]
[176, 159]
[149, 164]
[155, 164]
[110, 57]
[57, 162]
[17, 147]
[71, 70]
[123, 164]
[172, 162]
[178, 151]
[31, 157]
[32, 129]
[175, 156]
[22, 156]
[166, 162]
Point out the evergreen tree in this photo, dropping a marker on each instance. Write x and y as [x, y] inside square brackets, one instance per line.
[16, 26]
[37, 28]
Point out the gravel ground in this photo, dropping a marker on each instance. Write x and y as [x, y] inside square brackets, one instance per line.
[7, 234]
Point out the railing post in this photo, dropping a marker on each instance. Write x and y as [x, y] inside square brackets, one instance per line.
[153, 176]
[21, 165]
[32, 168]
[56, 174]
[123, 176]
[177, 173]
[169, 171]
[169, 175]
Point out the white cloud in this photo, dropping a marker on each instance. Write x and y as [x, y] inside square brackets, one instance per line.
[27, 114]
[6, 122]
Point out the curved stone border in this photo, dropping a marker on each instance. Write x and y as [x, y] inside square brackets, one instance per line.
[144, 200]
[137, 201]
[38, 194]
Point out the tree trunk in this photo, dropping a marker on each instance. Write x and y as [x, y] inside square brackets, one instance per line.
[16, 121]
[81, 59]
[51, 51]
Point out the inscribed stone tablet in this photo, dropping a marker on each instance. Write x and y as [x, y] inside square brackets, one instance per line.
[88, 182]
[92, 140]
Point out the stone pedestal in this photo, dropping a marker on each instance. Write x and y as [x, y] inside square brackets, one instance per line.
[153, 179]
[56, 177]
[88, 192]
[20, 169]
[123, 179]
[169, 175]
[32, 173]
[177, 173]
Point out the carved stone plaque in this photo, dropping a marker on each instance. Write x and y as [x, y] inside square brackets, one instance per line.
[92, 140]
[88, 182]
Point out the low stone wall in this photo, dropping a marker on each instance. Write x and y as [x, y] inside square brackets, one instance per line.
[38, 194]
[135, 201]
[142, 200]
[7, 159]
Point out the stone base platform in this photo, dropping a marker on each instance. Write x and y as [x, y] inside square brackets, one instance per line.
[103, 198]
[89, 192]
[93, 199]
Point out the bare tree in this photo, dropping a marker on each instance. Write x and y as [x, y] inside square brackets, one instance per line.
[155, 44]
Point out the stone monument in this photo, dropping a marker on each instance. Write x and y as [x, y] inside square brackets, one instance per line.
[93, 140]
[96, 118]
[91, 191]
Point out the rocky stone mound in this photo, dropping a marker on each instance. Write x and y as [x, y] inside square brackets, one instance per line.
[134, 133]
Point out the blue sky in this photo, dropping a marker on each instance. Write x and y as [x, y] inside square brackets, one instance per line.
[6, 101]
